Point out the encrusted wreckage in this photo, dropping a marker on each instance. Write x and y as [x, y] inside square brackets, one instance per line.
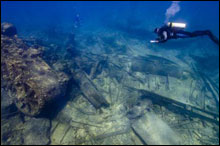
[24, 72]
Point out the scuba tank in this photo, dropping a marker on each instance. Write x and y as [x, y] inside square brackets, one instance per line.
[176, 25]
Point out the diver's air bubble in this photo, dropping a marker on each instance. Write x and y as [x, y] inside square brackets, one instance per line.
[172, 10]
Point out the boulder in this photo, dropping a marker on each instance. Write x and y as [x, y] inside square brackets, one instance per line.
[8, 29]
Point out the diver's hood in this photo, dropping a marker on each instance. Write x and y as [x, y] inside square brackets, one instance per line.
[176, 25]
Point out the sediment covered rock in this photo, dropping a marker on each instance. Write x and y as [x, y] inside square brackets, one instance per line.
[30, 77]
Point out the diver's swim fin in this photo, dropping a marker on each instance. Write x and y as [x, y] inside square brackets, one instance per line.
[212, 37]
[215, 40]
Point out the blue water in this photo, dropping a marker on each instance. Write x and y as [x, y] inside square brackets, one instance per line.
[130, 22]
[197, 15]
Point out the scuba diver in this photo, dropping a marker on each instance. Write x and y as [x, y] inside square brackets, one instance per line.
[176, 30]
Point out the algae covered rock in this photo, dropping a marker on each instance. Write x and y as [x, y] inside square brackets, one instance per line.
[35, 83]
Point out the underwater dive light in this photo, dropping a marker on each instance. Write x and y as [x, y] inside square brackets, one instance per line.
[178, 25]
[154, 41]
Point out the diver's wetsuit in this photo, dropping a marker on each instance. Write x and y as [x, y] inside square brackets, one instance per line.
[165, 33]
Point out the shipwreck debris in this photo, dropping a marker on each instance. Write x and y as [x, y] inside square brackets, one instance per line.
[180, 107]
[89, 89]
